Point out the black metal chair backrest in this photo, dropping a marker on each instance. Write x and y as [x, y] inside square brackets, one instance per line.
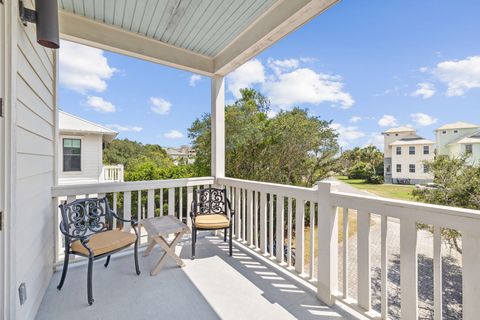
[210, 201]
[83, 217]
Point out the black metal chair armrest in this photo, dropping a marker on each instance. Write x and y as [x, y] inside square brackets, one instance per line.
[232, 212]
[133, 222]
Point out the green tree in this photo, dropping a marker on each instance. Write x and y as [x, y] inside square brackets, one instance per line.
[291, 147]
[362, 163]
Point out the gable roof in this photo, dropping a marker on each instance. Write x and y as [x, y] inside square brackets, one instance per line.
[411, 141]
[471, 138]
[399, 129]
[458, 125]
[69, 123]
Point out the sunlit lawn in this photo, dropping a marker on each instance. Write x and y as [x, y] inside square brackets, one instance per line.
[394, 191]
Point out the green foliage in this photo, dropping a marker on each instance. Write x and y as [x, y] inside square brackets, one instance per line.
[291, 147]
[459, 186]
[129, 153]
[362, 163]
[146, 169]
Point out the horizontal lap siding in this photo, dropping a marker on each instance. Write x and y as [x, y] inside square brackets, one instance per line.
[35, 135]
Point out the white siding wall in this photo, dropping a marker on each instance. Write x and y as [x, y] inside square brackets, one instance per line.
[32, 114]
[405, 159]
[444, 139]
[91, 160]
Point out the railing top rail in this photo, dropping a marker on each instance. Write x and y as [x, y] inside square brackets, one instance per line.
[275, 188]
[67, 190]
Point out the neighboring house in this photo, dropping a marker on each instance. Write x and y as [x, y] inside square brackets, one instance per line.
[459, 138]
[181, 155]
[81, 149]
[404, 155]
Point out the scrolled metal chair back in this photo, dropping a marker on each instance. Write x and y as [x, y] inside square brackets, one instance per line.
[210, 201]
[83, 217]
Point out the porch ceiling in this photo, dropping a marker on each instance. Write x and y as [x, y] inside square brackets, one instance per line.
[204, 36]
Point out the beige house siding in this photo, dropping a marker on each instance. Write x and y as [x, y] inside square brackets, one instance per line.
[405, 160]
[33, 128]
[91, 160]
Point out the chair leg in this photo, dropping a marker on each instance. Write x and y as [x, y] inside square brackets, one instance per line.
[230, 241]
[65, 269]
[89, 281]
[107, 262]
[225, 235]
[137, 268]
[194, 240]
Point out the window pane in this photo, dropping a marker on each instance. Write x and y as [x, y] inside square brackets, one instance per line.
[71, 163]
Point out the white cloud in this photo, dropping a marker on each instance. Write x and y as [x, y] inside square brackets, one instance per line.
[347, 134]
[251, 72]
[355, 119]
[160, 106]
[271, 114]
[122, 128]
[423, 119]
[425, 90]
[280, 66]
[194, 79]
[100, 105]
[387, 121]
[375, 139]
[459, 75]
[423, 69]
[306, 86]
[173, 134]
[83, 68]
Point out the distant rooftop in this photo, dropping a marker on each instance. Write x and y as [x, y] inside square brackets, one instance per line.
[69, 123]
[412, 141]
[458, 125]
[472, 138]
[399, 129]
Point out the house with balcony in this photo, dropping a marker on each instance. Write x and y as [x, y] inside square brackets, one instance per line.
[405, 154]
[81, 146]
[181, 155]
[257, 282]
[459, 139]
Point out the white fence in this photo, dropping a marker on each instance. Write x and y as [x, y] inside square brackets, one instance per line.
[112, 173]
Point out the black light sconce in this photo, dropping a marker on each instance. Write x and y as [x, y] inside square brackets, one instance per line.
[46, 18]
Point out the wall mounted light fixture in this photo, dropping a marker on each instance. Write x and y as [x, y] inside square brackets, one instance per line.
[46, 18]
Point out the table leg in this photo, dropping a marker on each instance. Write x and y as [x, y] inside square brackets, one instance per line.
[149, 249]
[169, 251]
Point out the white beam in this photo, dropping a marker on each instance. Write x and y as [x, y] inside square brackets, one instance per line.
[95, 34]
[218, 127]
[281, 19]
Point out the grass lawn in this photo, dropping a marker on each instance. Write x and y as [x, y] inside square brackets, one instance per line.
[394, 191]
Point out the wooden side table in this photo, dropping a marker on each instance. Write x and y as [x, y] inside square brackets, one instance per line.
[158, 229]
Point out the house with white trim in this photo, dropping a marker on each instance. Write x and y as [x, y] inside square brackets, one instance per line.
[405, 154]
[458, 139]
[81, 149]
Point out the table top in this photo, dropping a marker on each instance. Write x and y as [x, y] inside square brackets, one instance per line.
[164, 225]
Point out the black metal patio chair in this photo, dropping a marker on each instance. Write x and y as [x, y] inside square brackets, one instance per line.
[211, 210]
[87, 226]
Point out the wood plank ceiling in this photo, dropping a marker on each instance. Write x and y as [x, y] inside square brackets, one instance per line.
[205, 27]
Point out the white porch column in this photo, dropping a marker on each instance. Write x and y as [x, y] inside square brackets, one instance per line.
[218, 127]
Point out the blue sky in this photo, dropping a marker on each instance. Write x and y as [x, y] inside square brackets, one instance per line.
[366, 65]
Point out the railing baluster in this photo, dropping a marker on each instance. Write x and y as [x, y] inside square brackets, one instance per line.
[249, 217]
[345, 253]
[171, 201]
[238, 210]
[180, 203]
[263, 222]
[151, 203]
[312, 238]
[127, 209]
[161, 202]
[270, 223]
[289, 232]
[408, 269]
[244, 214]
[280, 228]
[437, 273]
[255, 219]
[299, 235]
[384, 267]
[471, 276]
[363, 260]
[189, 203]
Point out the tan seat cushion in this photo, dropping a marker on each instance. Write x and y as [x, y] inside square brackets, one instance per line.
[212, 221]
[104, 242]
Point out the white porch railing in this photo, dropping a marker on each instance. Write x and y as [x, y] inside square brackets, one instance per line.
[112, 173]
[269, 215]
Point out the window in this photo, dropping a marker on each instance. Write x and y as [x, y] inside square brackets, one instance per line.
[411, 168]
[411, 150]
[468, 149]
[426, 169]
[396, 134]
[399, 150]
[399, 168]
[444, 132]
[455, 131]
[71, 154]
[388, 168]
[426, 149]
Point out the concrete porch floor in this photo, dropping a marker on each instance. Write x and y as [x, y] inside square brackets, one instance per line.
[213, 286]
